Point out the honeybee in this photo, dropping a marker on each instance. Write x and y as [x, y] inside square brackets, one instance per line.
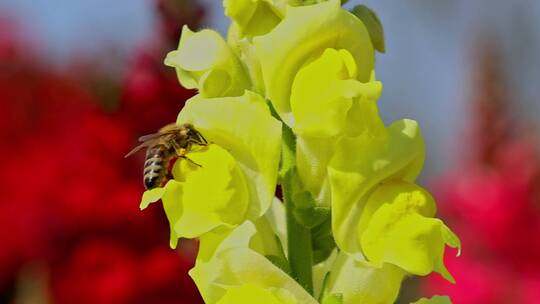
[163, 148]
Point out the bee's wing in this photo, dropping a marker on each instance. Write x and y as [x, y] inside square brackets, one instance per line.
[156, 135]
[145, 144]
[136, 149]
[148, 137]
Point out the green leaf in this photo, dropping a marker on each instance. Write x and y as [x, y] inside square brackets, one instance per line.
[373, 24]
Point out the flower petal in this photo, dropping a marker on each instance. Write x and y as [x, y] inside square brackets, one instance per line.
[323, 92]
[192, 208]
[204, 61]
[401, 231]
[206, 207]
[338, 106]
[254, 17]
[245, 128]
[397, 153]
[151, 196]
[235, 266]
[358, 282]
[173, 209]
[249, 293]
[302, 36]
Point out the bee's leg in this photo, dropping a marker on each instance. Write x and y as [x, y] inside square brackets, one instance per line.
[197, 141]
[167, 178]
[203, 140]
[190, 160]
[181, 152]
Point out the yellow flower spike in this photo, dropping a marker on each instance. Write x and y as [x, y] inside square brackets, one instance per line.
[400, 230]
[246, 129]
[359, 282]
[205, 62]
[236, 272]
[302, 36]
[396, 153]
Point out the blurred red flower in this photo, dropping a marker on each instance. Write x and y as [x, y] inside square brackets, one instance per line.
[492, 203]
[69, 198]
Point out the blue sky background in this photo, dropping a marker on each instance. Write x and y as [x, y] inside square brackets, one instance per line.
[425, 71]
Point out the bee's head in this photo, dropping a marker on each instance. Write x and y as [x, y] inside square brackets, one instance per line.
[187, 125]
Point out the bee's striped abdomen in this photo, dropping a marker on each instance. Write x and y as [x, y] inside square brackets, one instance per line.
[154, 166]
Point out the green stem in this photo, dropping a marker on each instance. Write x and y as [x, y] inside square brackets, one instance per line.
[300, 250]
[299, 246]
[299, 237]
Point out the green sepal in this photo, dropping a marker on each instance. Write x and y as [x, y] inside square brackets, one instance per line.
[434, 300]
[280, 262]
[333, 299]
[311, 2]
[279, 259]
[287, 164]
[373, 25]
[323, 249]
[323, 286]
[311, 216]
[306, 212]
[322, 241]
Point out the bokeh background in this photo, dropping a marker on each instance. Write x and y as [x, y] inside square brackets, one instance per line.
[81, 80]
